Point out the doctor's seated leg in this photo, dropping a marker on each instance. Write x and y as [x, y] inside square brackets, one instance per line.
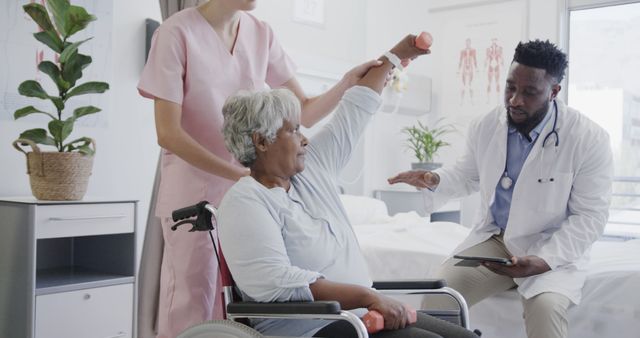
[545, 315]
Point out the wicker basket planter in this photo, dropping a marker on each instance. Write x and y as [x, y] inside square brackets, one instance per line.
[58, 176]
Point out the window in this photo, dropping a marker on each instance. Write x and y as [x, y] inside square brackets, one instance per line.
[604, 65]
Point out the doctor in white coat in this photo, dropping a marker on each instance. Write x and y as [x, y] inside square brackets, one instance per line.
[544, 174]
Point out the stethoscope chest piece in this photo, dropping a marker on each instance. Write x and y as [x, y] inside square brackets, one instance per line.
[506, 182]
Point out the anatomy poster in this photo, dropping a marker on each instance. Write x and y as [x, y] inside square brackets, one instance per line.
[477, 47]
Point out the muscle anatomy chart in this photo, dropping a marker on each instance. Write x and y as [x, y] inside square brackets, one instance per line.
[494, 64]
[467, 66]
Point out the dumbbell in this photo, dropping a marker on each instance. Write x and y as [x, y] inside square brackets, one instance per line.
[374, 322]
[423, 41]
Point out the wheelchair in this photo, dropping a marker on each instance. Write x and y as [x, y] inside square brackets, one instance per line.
[237, 313]
[148, 281]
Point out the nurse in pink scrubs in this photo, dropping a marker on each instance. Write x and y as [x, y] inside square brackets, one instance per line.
[198, 58]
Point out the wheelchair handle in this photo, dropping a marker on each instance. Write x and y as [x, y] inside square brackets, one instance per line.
[188, 212]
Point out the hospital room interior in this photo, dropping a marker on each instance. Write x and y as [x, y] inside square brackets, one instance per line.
[503, 131]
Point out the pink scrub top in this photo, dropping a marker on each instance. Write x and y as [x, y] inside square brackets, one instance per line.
[190, 65]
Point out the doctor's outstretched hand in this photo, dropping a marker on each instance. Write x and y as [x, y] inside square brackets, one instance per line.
[522, 267]
[417, 178]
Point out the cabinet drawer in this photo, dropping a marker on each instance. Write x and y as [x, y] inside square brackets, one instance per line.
[53, 221]
[101, 313]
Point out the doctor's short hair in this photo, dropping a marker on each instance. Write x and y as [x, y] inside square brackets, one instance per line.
[544, 55]
[261, 112]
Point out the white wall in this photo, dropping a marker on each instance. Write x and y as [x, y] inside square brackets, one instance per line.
[331, 47]
[126, 149]
[349, 37]
[382, 142]
[383, 151]
[385, 22]
[327, 51]
[129, 168]
[353, 31]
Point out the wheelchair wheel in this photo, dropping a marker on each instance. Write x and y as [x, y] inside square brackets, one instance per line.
[220, 329]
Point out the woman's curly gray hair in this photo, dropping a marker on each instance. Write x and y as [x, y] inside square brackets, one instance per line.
[261, 112]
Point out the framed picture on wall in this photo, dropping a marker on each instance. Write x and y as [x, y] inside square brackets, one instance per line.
[309, 12]
[476, 44]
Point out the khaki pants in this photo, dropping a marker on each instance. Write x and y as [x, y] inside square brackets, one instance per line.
[545, 315]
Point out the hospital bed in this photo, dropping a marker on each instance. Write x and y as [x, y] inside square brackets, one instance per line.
[409, 246]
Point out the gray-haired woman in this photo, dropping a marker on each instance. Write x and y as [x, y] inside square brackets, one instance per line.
[283, 230]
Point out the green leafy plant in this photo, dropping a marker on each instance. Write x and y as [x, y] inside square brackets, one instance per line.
[425, 141]
[67, 20]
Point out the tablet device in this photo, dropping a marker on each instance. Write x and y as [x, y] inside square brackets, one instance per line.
[473, 261]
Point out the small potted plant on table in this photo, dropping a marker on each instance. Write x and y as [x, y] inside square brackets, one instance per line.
[425, 143]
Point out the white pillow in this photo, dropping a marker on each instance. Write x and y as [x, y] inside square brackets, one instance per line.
[364, 210]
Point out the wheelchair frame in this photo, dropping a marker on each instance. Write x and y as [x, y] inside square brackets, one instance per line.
[327, 310]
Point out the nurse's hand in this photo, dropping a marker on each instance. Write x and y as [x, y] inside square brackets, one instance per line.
[242, 172]
[417, 178]
[356, 73]
[522, 267]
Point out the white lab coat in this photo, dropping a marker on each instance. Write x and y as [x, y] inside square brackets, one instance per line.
[557, 221]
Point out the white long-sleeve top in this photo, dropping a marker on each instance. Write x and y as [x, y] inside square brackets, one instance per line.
[277, 242]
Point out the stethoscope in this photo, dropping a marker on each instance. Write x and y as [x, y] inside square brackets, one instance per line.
[506, 182]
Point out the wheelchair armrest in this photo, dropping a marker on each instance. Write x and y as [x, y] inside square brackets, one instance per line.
[426, 284]
[318, 307]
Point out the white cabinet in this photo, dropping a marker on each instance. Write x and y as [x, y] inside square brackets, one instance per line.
[104, 312]
[67, 268]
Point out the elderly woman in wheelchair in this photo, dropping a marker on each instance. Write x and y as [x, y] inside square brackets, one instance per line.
[283, 230]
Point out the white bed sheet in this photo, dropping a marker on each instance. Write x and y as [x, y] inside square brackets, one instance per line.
[409, 247]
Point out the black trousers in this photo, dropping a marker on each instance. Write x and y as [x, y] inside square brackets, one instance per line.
[425, 327]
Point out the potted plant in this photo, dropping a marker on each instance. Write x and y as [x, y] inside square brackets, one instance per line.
[62, 174]
[425, 143]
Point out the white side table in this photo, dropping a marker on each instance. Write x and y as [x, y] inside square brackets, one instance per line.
[413, 200]
[67, 269]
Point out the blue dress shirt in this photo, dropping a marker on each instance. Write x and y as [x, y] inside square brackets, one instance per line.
[518, 148]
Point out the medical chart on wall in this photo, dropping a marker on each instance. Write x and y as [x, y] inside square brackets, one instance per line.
[20, 54]
[477, 47]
